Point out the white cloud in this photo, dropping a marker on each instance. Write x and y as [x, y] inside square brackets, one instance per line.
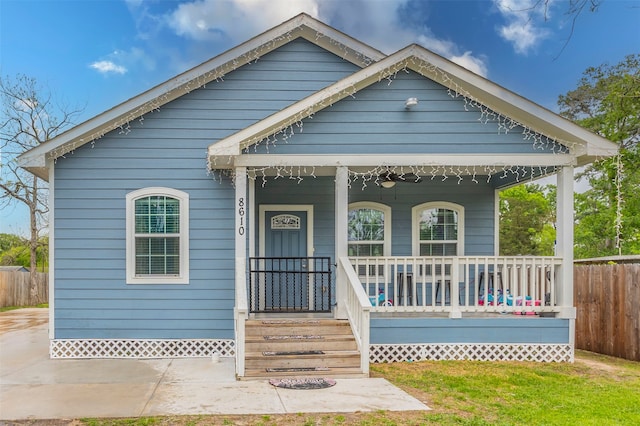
[448, 49]
[523, 19]
[234, 19]
[120, 61]
[472, 63]
[377, 23]
[107, 67]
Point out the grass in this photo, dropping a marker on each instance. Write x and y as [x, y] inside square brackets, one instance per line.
[12, 308]
[595, 390]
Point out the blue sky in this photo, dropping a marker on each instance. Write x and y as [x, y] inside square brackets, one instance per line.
[99, 53]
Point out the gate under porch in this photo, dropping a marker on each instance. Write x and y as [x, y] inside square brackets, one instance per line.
[290, 285]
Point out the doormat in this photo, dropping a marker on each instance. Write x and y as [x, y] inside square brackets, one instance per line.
[296, 337]
[295, 369]
[303, 383]
[273, 322]
[271, 353]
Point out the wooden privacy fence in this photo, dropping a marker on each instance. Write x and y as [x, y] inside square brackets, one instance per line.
[14, 289]
[607, 299]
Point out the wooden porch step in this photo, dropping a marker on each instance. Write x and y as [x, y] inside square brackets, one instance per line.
[329, 342]
[300, 348]
[296, 327]
[327, 359]
[334, 373]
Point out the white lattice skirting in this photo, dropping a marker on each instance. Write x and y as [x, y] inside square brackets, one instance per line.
[471, 351]
[141, 348]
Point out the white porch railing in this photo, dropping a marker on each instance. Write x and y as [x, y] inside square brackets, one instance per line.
[357, 307]
[518, 284]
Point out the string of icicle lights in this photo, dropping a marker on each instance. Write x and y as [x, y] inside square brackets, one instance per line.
[378, 174]
[284, 132]
[295, 124]
[186, 85]
[619, 202]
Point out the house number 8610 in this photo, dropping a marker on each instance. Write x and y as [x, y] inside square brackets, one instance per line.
[241, 216]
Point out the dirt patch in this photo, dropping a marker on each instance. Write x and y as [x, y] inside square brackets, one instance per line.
[598, 365]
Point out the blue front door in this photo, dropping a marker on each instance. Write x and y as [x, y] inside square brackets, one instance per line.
[287, 287]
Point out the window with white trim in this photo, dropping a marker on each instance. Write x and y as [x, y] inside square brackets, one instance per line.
[369, 227]
[438, 229]
[157, 236]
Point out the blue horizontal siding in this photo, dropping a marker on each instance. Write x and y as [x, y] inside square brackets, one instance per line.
[167, 148]
[142, 314]
[477, 200]
[469, 330]
[374, 121]
[318, 192]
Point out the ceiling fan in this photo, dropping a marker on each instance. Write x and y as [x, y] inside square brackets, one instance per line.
[388, 179]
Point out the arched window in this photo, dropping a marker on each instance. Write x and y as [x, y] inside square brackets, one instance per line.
[438, 229]
[369, 229]
[157, 236]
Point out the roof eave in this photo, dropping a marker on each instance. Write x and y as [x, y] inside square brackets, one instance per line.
[512, 105]
[301, 25]
[448, 74]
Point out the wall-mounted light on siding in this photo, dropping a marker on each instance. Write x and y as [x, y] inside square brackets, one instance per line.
[410, 102]
[388, 184]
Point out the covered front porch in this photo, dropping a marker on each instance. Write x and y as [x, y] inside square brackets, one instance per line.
[369, 289]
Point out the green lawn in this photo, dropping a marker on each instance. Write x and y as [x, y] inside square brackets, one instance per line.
[595, 390]
[12, 308]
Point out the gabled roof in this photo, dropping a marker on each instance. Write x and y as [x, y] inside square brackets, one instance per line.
[584, 145]
[303, 25]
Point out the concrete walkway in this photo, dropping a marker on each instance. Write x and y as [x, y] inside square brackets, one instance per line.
[32, 386]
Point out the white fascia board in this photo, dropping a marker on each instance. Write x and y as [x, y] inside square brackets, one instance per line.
[300, 26]
[510, 104]
[337, 42]
[35, 164]
[418, 160]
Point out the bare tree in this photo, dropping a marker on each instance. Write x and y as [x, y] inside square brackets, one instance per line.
[574, 8]
[28, 117]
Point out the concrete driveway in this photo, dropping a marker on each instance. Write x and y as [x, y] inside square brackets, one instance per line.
[32, 386]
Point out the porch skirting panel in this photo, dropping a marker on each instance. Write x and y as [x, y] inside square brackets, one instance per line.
[141, 348]
[381, 353]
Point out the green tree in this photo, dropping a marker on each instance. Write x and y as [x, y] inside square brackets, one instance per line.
[15, 251]
[526, 221]
[607, 102]
[7, 241]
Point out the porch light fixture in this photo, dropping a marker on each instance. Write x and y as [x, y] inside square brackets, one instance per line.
[388, 184]
[410, 102]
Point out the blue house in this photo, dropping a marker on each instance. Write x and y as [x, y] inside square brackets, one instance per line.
[301, 178]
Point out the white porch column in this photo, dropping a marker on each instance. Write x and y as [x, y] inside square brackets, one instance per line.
[341, 237]
[564, 242]
[241, 310]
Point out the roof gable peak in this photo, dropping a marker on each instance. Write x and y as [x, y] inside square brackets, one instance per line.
[300, 26]
[493, 101]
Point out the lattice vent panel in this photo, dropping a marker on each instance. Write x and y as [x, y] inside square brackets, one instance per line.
[140, 348]
[472, 351]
